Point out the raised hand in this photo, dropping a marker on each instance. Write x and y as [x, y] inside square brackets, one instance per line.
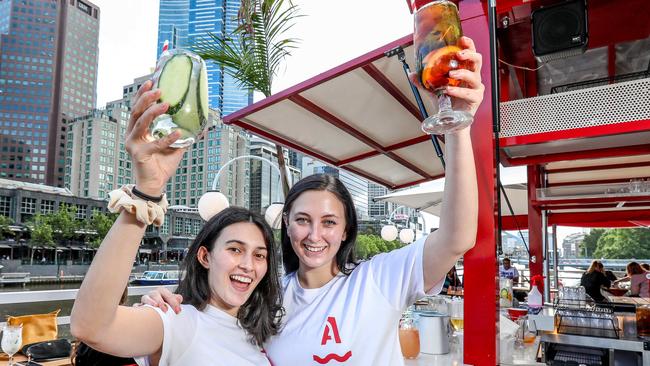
[154, 161]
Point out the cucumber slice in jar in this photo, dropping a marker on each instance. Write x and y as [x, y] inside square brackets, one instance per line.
[203, 93]
[174, 82]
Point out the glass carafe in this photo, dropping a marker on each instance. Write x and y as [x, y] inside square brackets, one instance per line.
[409, 336]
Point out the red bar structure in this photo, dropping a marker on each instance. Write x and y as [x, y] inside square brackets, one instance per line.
[480, 266]
[535, 232]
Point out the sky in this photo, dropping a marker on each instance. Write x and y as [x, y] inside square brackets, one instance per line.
[331, 33]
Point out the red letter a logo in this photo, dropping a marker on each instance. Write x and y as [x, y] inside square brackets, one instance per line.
[330, 326]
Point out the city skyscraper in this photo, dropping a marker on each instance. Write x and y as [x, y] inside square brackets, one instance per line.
[48, 76]
[184, 23]
[265, 185]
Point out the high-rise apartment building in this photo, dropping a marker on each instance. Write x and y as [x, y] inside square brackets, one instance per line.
[96, 162]
[48, 76]
[265, 183]
[184, 23]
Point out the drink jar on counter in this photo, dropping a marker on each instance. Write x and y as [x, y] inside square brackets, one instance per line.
[409, 336]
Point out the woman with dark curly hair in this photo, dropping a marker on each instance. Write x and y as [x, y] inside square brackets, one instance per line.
[231, 286]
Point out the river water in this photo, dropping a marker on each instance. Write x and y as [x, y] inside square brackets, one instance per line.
[45, 306]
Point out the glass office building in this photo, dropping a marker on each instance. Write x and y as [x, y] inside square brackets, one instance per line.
[184, 23]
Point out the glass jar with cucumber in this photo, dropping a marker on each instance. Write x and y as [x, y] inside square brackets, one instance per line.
[182, 78]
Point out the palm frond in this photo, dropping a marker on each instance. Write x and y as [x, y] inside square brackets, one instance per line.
[254, 51]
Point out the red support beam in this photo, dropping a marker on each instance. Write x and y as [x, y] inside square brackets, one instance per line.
[548, 204]
[577, 133]
[385, 83]
[578, 155]
[345, 127]
[399, 145]
[535, 231]
[481, 276]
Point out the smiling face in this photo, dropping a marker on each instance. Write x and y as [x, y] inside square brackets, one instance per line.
[316, 228]
[236, 265]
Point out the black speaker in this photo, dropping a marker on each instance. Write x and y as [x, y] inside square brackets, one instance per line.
[560, 30]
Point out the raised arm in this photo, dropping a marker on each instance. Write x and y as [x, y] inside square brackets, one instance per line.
[458, 222]
[96, 317]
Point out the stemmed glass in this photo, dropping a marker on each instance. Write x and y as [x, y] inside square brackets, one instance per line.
[12, 339]
[435, 38]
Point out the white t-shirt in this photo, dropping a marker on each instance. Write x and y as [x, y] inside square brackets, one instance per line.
[352, 320]
[508, 273]
[208, 337]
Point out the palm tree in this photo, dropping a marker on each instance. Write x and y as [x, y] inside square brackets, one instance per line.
[254, 51]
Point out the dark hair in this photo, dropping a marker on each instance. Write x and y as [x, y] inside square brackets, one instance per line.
[646, 266]
[345, 259]
[506, 259]
[261, 314]
[634, 268]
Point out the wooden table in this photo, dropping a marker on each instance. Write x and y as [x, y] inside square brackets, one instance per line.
[628, 300]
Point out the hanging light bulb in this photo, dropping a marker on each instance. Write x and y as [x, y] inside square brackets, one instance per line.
[406, 236]
[211, 203]
[389, 232]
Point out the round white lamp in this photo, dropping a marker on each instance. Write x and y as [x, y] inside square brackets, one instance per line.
[273, 215]
[211, 203]
[389, 232]
[406, 235]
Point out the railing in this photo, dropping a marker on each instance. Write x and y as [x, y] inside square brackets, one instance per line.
[23, 297]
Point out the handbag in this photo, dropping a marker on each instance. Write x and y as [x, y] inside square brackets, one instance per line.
[37, 327]
[58, 348]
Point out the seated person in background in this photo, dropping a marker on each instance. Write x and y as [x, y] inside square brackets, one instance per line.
[507, 271]
[593, 280]
[640, 285]
[451, 280]
[611, 276]
[646, 266]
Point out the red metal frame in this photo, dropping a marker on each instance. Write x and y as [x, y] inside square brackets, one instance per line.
[535, 231]
[579, 155]
[585, 132]
[481, 275]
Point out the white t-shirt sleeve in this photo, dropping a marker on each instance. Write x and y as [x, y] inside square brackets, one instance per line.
[515, 272]
[400, 276]
[178, 333]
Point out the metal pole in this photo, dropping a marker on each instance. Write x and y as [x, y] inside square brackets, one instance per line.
[556, 270]
[547, 290]
[399, 51]
[215, 181]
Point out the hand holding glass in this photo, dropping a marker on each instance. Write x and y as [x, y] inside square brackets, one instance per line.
[435, 38]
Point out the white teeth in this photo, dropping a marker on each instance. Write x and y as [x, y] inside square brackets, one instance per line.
[241, 279]
[314, 249]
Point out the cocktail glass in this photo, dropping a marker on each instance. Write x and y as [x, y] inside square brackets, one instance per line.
[182, 78]
[12, 339]
[436, 35]
[456, 314]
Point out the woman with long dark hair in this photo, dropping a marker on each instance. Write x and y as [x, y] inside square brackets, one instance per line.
[348, 312]
[231, 291]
